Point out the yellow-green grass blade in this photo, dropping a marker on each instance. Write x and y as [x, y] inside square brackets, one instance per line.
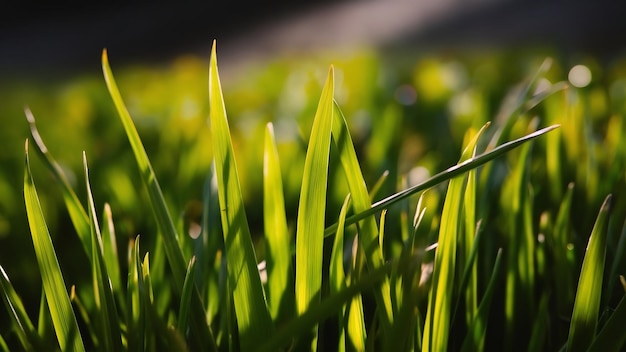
[445, 175]
[136, 318]
[22, 325]
[336, 275]
[312, 204]
[562, 264]
[279, 282]
[110, 336]
[150, 324]
[475, 338]
[368, 230]
[378, 185]
[438, 316]
[587, 304]
[63, 318]
[612, 337]
[253, 318]
[185, 299]
[109, 249]
[541, 324]
[201, 333]
[157, 202]
[77, 212]
[468, 236]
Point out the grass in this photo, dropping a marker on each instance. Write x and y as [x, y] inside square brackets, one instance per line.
[518, 246]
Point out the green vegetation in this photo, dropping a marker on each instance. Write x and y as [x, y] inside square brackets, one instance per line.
[316, 215]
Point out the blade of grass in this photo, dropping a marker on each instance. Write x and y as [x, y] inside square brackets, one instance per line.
[445, 175]
[336, 275]
[185, 299]
[311, 208]
[110, 336]
[438, 316]
[368, 230]
[587, 304]
[77, 212]
[136, 331]
[253, 318]
[63, 318]
[475, 338]
[22, 325]
[109, 248]
[612, 337]
[436, 329]
[280, 284]
[201, 335]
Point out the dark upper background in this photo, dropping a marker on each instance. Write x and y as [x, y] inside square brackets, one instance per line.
[64, 39]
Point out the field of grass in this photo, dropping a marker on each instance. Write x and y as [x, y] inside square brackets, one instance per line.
[470, 202]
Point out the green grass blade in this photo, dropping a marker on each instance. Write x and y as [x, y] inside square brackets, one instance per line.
[77, 212]
[280, 283]
[438, 316]
[336, 275]
[63, 318]
[185, 299]
[109, 249]
[445, 175]
[136, 311]
[368, 230]
[157, 202]
[326, 308]
[253, 319]
[201, 333]
[475, 339]
[110, 336]
[587, 304]
[311, 208]
[22, 324]
[612, 337]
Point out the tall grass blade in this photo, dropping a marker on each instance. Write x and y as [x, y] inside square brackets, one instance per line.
[612, 337]
[109, 249]
[185, 299]
[368, 230]
[438, 316]
[475, 338]
[587, 304]
[77, 212]
[110, 336]
[279, 282]
[445, 175]
[253, 319]
[201, 333]
[136, 317]
[22, 325]
[336, 275]
[312, 206]
[63, 318]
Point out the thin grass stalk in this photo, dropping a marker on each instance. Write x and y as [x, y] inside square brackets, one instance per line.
[62, 315]
[253, 319]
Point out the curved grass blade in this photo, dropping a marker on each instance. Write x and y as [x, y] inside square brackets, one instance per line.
[22, 325]
[110, 336]
[612, 337]
[201, 333]
[77, 212]
[185, 299]
[63, 318]
[438, 316]
[311, 208]
[587, 304]
[368, 230]
[475, 339]
[280, 285]
[109, 250]
[337, 276]
[445, 175]
[253, 319]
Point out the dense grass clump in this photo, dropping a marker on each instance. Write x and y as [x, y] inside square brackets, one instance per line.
[339, 237]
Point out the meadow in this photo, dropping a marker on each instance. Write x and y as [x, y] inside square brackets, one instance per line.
[336, 202]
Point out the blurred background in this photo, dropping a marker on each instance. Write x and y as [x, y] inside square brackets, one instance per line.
[412, 77]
